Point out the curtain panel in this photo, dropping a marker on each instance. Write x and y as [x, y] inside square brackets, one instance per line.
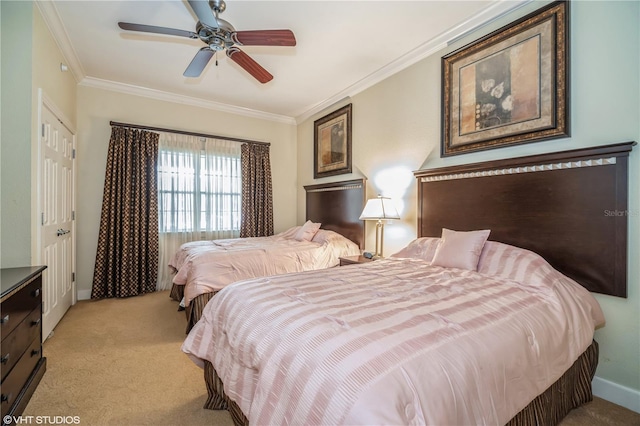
[127, 255]
[199, 185]
[257, 197]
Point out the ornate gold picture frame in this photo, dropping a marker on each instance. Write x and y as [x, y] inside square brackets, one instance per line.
[509, 87]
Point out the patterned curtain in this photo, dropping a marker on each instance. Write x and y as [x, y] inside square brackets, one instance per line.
[257, 198]
[127, 255]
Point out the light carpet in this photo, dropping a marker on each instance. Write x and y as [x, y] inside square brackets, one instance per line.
[118, 362]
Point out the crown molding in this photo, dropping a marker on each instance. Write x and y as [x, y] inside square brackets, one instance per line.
[160, 95]
[479, 20]
[50, 15]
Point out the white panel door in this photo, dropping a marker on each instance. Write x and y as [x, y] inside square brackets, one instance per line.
[57, 218]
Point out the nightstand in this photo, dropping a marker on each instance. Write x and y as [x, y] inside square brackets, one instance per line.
[354, 260]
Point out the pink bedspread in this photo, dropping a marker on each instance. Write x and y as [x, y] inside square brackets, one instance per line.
[396, 341]
[208, 266]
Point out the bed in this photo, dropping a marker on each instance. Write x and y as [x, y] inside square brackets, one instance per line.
[411, 339]
[202, 268]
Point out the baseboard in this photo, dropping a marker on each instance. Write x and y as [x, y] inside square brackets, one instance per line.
[618, 394]
[84, 294]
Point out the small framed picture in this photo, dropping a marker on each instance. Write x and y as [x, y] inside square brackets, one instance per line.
[332, 143]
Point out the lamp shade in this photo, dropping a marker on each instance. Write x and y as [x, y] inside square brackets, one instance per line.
[378, 209]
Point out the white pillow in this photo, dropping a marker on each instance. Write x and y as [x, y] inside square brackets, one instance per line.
[460, 249]
[307, 231]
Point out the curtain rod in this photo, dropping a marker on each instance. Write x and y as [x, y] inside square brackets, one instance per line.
[182, 132]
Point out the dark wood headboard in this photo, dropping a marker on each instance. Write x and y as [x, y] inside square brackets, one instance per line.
[338, 206]
[570, 207]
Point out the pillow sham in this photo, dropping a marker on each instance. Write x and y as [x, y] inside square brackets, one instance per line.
[325, 236]
[337, 244]
[422, 248]
[307, 231]
[289, 233]
[460, 249]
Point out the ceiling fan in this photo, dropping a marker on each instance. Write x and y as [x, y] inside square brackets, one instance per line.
[220, 35]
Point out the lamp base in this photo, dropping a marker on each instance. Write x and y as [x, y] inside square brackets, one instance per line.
[379, 239]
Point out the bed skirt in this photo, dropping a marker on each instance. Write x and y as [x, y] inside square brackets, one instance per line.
[177, 292]
[571, 390]
[195, 308]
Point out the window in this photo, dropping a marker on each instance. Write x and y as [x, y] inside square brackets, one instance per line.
[199, 186]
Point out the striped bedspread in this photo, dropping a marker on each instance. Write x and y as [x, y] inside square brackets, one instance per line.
[208, 266]
[396, 341]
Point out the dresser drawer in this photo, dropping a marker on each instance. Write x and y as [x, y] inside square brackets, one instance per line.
[19, 305]
[16, 343]
[13, 384]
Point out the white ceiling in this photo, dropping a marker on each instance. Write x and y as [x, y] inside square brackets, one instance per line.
[342, 48]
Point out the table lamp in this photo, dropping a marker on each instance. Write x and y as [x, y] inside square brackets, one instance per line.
[380, 208]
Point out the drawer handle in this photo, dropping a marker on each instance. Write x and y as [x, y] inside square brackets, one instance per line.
[5, 398]
[35, 322]
[36, 292]
[35, 352]
[5, 358]
[4, 319]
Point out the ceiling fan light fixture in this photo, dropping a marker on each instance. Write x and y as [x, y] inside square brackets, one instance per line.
[217, 44]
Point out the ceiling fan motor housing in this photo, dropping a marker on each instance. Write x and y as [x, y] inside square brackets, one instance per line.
[216, 38]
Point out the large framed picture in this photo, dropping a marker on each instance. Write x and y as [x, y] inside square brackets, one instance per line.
[509, 87]
[332, 143]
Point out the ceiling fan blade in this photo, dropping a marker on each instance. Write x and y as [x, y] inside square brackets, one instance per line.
[265, 38]
[204, 13]
[249, 65]
[198, 62]
[157, 30]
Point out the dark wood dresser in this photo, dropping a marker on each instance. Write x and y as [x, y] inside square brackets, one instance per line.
[21, 359]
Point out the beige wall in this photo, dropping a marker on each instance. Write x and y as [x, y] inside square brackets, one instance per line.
[30, 61]
[396, 129]
[60, 87]
[96, 107]
[392, 136]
